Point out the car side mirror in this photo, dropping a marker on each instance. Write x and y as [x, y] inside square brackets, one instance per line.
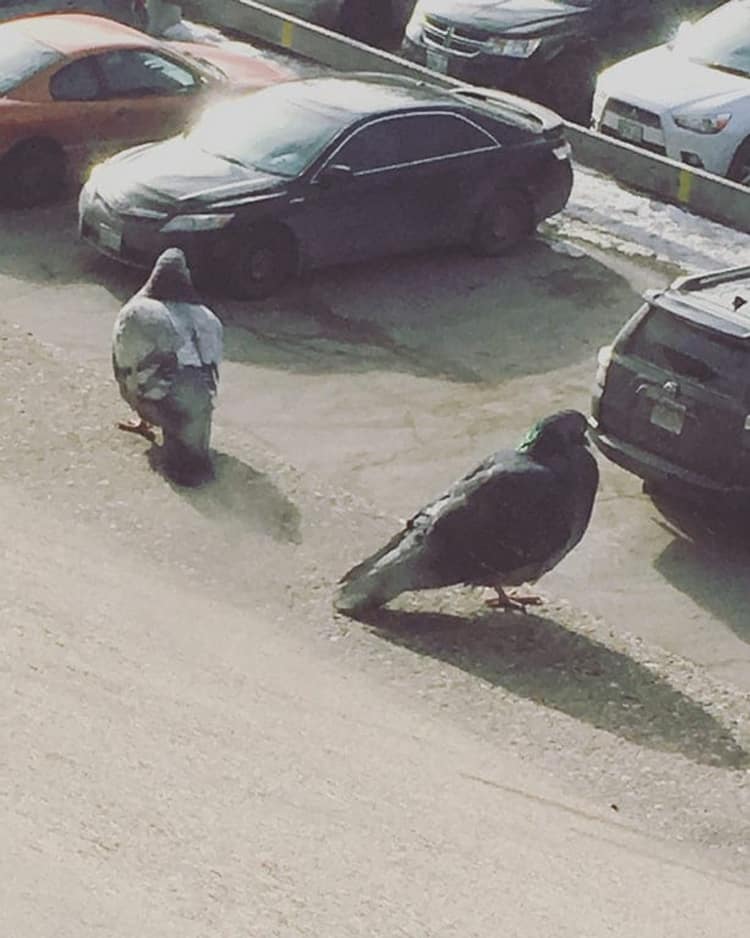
[335, 175]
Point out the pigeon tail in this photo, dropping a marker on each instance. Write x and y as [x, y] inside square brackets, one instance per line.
[393, 570]
[186, 423]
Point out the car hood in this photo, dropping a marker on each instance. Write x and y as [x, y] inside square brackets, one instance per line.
[661, 79]
[176, 171]
[516, 16]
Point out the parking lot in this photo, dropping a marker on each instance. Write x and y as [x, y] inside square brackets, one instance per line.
[391, 379]
[214, 751]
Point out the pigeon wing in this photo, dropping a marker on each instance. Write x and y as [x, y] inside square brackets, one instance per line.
[509, 514]
[145, 347]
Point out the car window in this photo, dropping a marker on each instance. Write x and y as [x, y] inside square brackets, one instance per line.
[132, 73]
[719, 40]
[408, 139]
[21, 57]
[720, 362]
[75, 82]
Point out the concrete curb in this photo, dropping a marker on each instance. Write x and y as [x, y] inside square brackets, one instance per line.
[700, 192]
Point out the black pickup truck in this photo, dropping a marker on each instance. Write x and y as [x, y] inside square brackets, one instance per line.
[548, 50]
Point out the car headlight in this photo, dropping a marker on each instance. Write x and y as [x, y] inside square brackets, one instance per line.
[703, 123]
[416, 21]
[513, 48]
[197, 222]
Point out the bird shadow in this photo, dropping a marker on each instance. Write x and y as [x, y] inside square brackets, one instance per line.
[709, 556]
[239, 495]
[534, 657]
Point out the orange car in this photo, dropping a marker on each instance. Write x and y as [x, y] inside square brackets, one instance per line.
[75, 88]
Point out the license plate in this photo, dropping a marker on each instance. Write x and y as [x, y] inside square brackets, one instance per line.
[437, 61]
[630, 130]
[110, 238]
[669, 417]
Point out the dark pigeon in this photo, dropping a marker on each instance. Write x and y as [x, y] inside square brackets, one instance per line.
[508, 522]
[166, 351]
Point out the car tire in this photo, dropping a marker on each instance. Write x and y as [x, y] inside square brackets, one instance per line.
[260, 262]
[569, 86]
[504, 222]
[32, 173]
[739, 170]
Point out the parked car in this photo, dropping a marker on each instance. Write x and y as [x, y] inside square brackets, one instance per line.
[688, 99]
[74, 88]
[327, 170]
[549, 50]
[672, 395]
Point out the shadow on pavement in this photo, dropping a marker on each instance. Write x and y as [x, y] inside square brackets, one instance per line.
[445, 314]
[534, 657]
[709, 558]
[239, 495]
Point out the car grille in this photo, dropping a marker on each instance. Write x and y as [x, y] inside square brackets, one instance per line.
[642, 145]
[461, 40]
[633, 113]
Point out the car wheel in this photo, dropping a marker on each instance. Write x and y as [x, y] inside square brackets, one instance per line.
[32, 173]
[739, 171]
[261, 262]
[502, 223]
[569, 87]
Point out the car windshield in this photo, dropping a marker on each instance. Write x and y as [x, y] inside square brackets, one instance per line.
[720, 40]
[21, 57]
[689, 351]
[267, 131]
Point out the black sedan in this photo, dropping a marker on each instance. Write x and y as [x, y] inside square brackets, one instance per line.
[331, 170]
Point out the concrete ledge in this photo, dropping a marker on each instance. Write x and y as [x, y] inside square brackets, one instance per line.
[699, 192]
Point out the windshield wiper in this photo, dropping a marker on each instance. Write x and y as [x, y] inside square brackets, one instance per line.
[727, 69]
[222, 156]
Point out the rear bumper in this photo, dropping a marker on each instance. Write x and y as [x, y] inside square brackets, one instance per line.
[653, 468]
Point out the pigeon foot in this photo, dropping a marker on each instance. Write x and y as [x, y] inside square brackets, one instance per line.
[505, 601]
[141, 427]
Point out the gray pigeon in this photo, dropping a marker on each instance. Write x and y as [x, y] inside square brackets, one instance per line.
[166, 351]
[506, 523]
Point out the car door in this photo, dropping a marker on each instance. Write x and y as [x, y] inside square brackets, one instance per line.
[151, 95]
[105, 102]
[408, 187]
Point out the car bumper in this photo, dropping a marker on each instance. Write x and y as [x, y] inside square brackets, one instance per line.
[639, 123]
[491, 70]
[135, 240]
[653, 468]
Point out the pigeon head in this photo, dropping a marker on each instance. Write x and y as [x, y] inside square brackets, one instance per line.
[555, 435]
[170, 279]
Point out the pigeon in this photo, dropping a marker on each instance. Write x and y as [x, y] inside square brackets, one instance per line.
[166, 351]
[506, 523]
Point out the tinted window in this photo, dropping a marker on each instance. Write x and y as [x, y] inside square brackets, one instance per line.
[674, 344]
[408, 139]
[431, 135]
[75, 82]
[134, 74]
[21, 57]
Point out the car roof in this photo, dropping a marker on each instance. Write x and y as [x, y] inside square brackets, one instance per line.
[719, 300]
[69, 33]
[362, 94]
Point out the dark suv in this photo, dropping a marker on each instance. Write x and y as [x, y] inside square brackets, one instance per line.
[672, 395]
[548, 50]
